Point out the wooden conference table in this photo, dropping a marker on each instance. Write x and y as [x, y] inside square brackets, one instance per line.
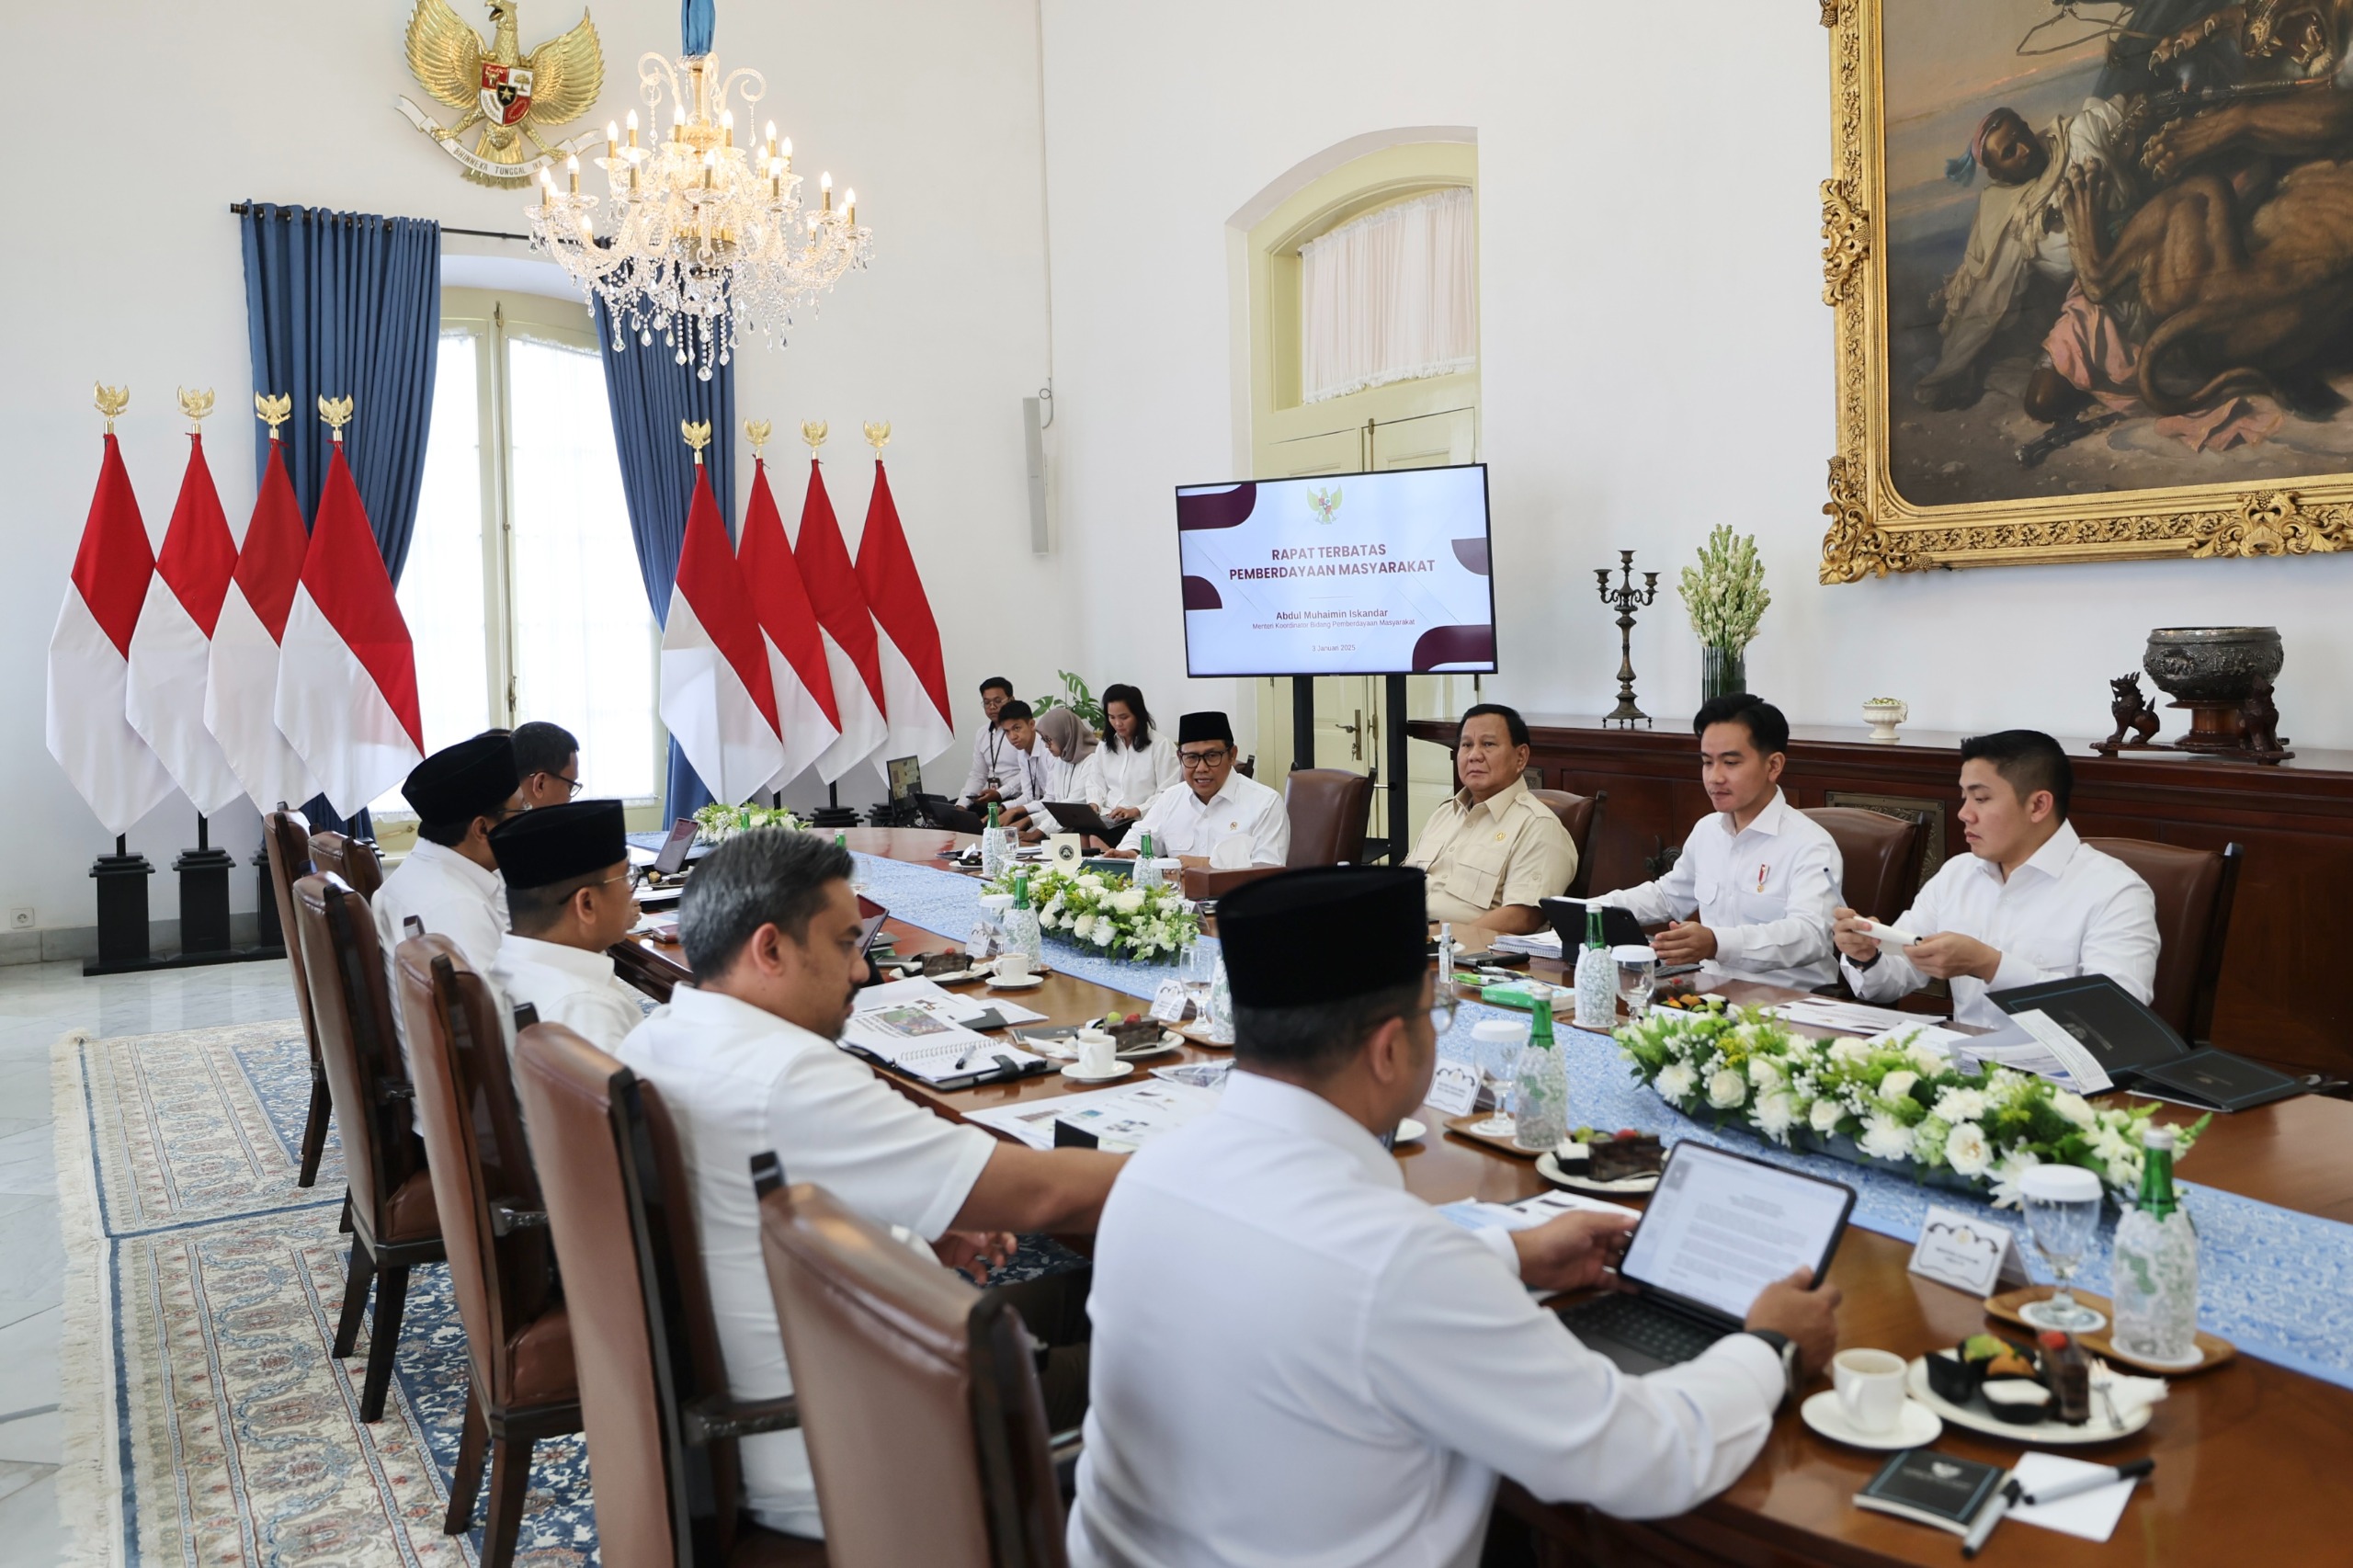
[2251, 1457]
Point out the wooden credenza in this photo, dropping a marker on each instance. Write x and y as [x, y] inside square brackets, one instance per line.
[2283, 998]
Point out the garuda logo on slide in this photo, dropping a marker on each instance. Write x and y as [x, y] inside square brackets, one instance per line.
[1325, 504]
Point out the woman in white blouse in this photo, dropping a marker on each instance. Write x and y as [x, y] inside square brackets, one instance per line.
[1133, 766]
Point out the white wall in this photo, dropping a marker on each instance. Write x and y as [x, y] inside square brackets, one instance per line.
[132, 274]
[1655, 358]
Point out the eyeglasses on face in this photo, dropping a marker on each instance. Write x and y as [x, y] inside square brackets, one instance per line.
[571, 787]
[1209, 759]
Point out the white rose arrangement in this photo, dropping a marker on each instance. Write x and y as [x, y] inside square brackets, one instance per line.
[1897, 1102]
[1108, 914]
[716, 823]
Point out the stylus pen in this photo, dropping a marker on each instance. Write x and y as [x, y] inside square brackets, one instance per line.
[1988, 1517]
[2106, 1475]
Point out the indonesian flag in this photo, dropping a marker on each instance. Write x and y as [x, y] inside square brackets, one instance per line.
[90, 659]
[915, 680]
[717, 696]
[346, 671]
[171, 653]
[850, 651]
[241, 697]
[807, 719]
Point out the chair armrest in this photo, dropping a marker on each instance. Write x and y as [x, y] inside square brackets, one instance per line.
[707, 1420]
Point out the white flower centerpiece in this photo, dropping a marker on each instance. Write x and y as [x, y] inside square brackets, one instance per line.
[1109, 915]
[1901, 1103]
[716, 823]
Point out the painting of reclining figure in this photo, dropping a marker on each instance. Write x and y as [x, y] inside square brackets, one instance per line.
[2118, 245]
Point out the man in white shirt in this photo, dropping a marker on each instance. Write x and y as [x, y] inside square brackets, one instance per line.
[1031, 773]
[1295, 1360]
[449, 882]
[992, 758]
[1214, 805]
[547, 760]
[2030, 901]
[1761, 876]
[569, 899]
[746, 1061]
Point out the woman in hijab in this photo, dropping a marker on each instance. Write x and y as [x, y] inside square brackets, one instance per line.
[1069, 740]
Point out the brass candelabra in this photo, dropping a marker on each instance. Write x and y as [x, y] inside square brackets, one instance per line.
[1626, 599]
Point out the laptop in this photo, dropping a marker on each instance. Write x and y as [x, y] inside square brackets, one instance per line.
[938, 811]
[906, 780]
[668, 863]
[1618, 926]
[1719, 1228]
[1077, 816]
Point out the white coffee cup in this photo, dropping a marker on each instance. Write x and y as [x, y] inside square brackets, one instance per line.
[1098, 1053]
[1870, 1388]
[1013, 966]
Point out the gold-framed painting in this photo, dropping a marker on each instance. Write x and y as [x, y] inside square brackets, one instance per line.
[2092, 265]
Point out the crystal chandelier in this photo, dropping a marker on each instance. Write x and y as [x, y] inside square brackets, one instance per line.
[697, 236]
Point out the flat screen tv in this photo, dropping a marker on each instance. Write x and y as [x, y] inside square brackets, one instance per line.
[1338, 574]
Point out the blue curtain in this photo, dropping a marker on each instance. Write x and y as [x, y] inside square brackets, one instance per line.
[347, 304]
[651, 393]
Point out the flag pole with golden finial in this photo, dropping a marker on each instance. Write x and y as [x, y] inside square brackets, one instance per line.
[111, 402]
[697, 436]
[273, 411]
[756, 432]
[196, 406]
[813, 432]
[336, 412]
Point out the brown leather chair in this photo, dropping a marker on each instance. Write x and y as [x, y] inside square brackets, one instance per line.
[1328, 808]
[903, 1369]
[521, 1386]
[1577, 814]
[2195, 890]
[1882, 855]
[394, 1226]
[287, 844]
[653, 1386]
[353, 860]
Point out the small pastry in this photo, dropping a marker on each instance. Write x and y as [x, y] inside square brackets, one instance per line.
[2017, 1400]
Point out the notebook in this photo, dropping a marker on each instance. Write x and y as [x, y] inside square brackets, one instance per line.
[2140, 1052]
[1931, 1488]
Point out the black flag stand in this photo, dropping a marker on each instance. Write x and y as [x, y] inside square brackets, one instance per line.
[204, 910]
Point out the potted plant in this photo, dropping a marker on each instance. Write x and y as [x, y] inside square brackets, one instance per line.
[1077, 698]
[1725, 596]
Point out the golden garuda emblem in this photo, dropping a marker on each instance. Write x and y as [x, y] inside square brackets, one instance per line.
[511, 97]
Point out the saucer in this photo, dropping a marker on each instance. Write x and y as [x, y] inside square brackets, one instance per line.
[1075, 1076]
[998, 982]
[1408, 1130]
[1918, 1427]
[1549, 1167]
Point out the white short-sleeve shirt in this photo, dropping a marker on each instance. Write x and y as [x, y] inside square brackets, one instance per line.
[567, 986]
[740, 1081]
[451, 897]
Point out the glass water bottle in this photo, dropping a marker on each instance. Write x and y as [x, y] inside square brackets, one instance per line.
[1597, 978]
[1021, 932]
[994, 851]
[1540, 1099]
[2154, 1268]
[1147, 871]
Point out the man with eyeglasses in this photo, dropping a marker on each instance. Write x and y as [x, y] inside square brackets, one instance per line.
[1213, 815]
[547, 760]
[449, 882]
[1295, 1359]
[569, 899]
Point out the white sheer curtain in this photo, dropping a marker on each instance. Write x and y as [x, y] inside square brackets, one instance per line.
[1390, 296]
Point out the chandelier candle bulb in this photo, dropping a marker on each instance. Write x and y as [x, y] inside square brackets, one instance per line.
[850, 207]
[612, 139]
[631, 122]
[825, 184]
[572, 172]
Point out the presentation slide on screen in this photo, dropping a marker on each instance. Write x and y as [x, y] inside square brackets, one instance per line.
[1356, 574]
[1721, 1229]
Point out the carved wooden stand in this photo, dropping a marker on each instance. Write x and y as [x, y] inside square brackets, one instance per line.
[2244, 731]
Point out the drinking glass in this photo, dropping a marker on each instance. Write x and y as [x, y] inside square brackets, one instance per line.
[1637, 972]
[1198, 967]
[2061, 1204]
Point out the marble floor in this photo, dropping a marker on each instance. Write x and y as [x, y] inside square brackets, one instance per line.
[38, 1003]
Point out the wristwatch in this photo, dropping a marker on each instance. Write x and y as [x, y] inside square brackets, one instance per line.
[1782, 1346]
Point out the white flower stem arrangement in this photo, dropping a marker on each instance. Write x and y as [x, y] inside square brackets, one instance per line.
[1725, 593]
[1900, 1103]
[715, 823]
[1109, 915]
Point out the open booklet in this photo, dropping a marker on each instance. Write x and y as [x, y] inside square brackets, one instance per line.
[919, 1028]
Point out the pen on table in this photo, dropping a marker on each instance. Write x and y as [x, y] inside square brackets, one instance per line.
[1989, 1516]
[2106, 1475]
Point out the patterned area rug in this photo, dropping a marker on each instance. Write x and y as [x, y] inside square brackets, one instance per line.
[207, 1422]
[210, 1423]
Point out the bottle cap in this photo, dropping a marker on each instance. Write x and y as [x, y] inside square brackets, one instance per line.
[2155, 1137]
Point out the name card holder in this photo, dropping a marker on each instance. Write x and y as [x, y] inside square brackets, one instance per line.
[1967, 1252]
[1168, 1002]
[1454, 1088]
